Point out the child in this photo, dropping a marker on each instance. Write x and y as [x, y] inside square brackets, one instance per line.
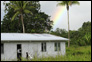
[27, 55]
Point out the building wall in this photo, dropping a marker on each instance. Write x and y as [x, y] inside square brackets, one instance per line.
[10, 51]
[33, 48]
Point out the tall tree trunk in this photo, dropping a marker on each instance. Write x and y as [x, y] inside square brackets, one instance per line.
[22, 23]
[68, 27]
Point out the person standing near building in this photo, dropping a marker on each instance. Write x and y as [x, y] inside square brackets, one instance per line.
[27, 55]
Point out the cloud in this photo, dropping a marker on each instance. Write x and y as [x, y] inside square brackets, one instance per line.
[80, 14]
[77, 16]
[48, 7]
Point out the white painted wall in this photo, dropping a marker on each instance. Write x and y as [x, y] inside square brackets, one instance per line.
[10, 51]
[33, 48]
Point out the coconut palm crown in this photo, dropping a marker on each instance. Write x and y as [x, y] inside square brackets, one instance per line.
[20, 7]
[67, 4]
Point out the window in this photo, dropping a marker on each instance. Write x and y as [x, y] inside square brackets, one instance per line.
[2, 48]
[57, 46]
[43, 45]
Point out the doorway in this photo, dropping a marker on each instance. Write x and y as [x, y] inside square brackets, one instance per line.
[19, 52]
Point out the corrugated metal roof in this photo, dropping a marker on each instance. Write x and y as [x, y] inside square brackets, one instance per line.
[29, 37]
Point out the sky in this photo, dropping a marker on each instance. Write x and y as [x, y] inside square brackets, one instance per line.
[78, 14]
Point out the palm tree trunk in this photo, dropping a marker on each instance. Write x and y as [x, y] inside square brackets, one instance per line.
[22, 23]
[68, 28]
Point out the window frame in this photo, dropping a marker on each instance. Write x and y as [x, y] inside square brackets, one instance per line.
[57, 46]
[43, 47]
[2, 48]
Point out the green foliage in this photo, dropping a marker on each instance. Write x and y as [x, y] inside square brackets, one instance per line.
[38, 22]
[69, 3]
[60, 32]
[82, 37]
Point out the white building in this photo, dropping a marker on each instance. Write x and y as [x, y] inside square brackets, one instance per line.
[14, 45]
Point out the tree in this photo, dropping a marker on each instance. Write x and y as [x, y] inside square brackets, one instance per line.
[68, 3]
[38, 22]
[20, 7]
[80, 37]
[60, 32]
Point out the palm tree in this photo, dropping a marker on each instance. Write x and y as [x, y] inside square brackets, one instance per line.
[20, 7]
[67, 4]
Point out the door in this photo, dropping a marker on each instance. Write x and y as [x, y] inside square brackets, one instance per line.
[19, 52]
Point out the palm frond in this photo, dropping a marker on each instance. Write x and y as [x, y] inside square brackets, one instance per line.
[16, 9]
[75, 2]
[27, 11]
[62, 3]
[18, 4]
[68, 3]
[59, 4]
[15, 15]
[15, 5]
[24, 6]
[12, 6]
[30, 7]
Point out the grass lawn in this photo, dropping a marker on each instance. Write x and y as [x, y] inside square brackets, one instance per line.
[74, 53]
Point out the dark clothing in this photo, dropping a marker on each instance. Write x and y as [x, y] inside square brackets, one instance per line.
[26, 55]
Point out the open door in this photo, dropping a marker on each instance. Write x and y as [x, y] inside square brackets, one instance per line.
[19, 52]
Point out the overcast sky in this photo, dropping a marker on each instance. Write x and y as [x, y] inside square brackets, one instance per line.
[78, 14]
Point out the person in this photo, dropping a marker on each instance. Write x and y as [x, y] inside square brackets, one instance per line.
[27, 55]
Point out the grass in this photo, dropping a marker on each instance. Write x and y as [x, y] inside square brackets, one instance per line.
[73, 53]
